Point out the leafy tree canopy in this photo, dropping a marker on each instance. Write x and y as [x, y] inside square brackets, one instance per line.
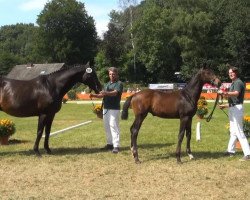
[179, 35]
[16, 45]
[66, 32]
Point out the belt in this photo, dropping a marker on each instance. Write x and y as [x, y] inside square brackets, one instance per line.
[233, 104]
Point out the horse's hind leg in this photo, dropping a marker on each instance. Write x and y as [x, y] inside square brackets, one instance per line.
[40, 127]
[134, 133]
[188, 136]
[49, 120]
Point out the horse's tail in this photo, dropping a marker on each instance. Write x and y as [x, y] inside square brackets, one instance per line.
[125, 108]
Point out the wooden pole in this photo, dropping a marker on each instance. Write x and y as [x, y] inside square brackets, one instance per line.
[198, 131]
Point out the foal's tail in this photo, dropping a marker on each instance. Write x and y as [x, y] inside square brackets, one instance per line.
[125, 108]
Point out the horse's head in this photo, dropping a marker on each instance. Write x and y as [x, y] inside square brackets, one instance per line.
[90, 79]
[208, 76]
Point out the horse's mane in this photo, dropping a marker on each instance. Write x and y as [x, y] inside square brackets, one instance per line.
[64, 68]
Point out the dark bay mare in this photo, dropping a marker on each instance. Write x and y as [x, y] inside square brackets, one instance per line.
[42, 96]
[181, 104]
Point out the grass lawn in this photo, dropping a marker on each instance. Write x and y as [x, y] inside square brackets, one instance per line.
[78, 169]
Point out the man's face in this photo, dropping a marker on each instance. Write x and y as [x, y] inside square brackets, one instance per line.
[232, 74]
[113, 76]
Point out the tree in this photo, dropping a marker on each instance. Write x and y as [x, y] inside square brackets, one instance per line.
[16, 45]
[174, 35]
[129, 5]
[66, 32]
[190, 33]
[155, 46]
[7, 61]
[115, 43]
[235, 35]
[101, 64]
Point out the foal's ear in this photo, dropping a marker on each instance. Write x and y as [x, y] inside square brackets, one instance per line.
[206, 65]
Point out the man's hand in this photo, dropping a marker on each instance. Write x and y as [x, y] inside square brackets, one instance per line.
[222, 106]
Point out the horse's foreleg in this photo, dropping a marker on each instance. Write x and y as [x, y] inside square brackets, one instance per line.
[188, 135]
[49, 121]
[40, 127]
[180, 139]
[134, 133]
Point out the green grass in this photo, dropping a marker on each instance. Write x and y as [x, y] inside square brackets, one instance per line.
[79, 170]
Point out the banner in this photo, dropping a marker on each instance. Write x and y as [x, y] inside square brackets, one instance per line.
[162, 86]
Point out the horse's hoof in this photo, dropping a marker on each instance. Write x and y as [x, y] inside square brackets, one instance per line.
[191, 157]
[38, 155]
[179, 163]
[49, 152]
[137, 162]
[37, 152]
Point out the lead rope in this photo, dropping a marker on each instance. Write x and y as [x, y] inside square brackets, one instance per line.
[215, 104]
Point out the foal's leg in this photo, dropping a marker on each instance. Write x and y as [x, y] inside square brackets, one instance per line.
[40, 127]
[134, 133]
[188, 135]
[183, 122]
[49, 120]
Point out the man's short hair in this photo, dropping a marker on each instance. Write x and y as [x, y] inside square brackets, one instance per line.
[113, 69]
[234, 69]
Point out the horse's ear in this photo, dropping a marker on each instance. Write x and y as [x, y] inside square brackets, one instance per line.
[210, 64]
[87, 65]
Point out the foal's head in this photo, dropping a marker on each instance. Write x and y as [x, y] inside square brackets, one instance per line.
[90, 79]
[208, 76]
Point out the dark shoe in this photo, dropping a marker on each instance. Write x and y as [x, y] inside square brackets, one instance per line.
[107, 147]
[245, 158]
[229, 154]
[115, 150]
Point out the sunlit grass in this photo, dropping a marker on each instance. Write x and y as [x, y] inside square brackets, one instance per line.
[156, 134]
[78, 169]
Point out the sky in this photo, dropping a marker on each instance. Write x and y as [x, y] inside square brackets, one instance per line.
[26, 11]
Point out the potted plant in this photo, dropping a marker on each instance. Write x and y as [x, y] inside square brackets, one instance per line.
[7, 128]
[202, 109]
[98, 110]
[246, 126]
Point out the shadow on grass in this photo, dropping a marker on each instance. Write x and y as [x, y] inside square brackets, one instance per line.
[16, 141]
[80, 150]
[197, 155]
[86, 150]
